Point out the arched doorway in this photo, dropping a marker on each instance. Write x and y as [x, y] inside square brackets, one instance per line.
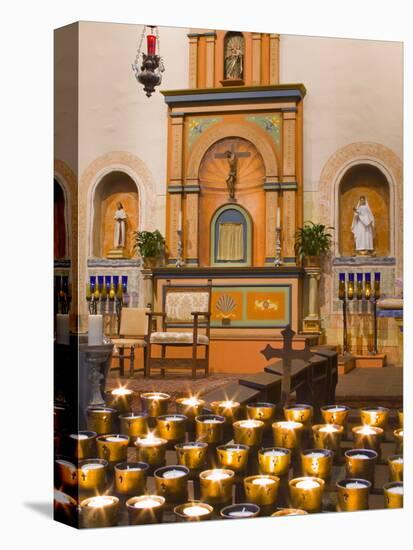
[115, 187]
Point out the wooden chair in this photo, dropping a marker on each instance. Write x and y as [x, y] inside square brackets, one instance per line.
[186, 311]
[132, 332]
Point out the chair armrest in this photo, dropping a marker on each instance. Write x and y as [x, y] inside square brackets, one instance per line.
[201, 313]
[156, 314]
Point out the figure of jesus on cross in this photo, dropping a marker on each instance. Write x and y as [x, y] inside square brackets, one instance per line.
[232, 157]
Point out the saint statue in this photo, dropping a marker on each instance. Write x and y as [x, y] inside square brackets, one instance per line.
[234, 64]
[232, 175]
[363, 227]
[120, 227]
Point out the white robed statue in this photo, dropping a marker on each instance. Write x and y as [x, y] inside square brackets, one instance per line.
[363, 227]
[119, 237]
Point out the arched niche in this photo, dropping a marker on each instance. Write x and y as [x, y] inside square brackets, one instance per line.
[249, 194]
[234, 57]
[60, 221]
[231, 223]
[114, 187]
[369, 181]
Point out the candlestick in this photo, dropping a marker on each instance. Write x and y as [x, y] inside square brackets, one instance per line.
[306, 493]
[274, 460]
[289, 512]
[299, 413]
[120, 399]
[352, 494]
[398, 437]
[317, 463]
[216, 485]
[328, 436]
[209, 428]
[367, 286]
[81, 445]
[62, 329]
[248, 432]
[99, 511]
[193, 454]
[171, 482]
[342, 286]
[360, 463]
[95, 330]
[151, 449]
[145, 509]
[112, 447]
[262, 489]
[133, 425]
[395, 463]
[367, 437]
[233, 456]
[155, 403]
[229, 409]
[359, 286]
[93, 474]
[375, 416]
[171, 427]
[193, 511]
[190, 406]
[287, 434]
[393, 494]
[240, 511]
[335, 414]
[130, 478]
[261, 411]
[350, 286]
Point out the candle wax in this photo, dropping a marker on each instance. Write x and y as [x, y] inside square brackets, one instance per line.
[328, 428]
[217, 476]
[78, 436]
[147, 503]
[212, 421]
[241, 513]
[360, 456]
[274, 452]
[99, 502]
[171, 474]
[149, 441]
[121, 391]
[307, 484]
[262, 481]
[116, 439]
[196, 510]
[398, 460]
[289, 425]
[355, 485]
[336, 409]
[366, 430]
[191, 401]
[92, 466]
[249, 424]
[315, 455]
[397, 489]
[174, 418]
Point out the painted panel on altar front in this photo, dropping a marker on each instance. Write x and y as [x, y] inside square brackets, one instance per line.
[251, 306]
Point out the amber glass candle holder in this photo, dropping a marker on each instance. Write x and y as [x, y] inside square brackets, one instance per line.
[361, 463]
[398, 438]
[262, 489]
[190, 406]
[133, 425]
[289, 512]
[93, 475]
[248, 432]
[171, 427]
[352, 494]
[120, 399]
[240, 511]
[328, 436]
[130, 478]
[216, 485]
[82, 445]
[393, 494]
[193, 511]
[99, 511]
[287, 434]
[64, 508]
[144, 509]
[192, 454]
[395, 463]
[274, 461]
[400, 417]
[317, 463]
[66, 474]
[155, 403]
[112, 447]
[229, 409]
[299, 413]
[151, 449]
[209, 428]
[261, 411]
[335, 414]
[375, 416]
[307, 493]
[101, 420]
[171, 482]
[367, 437]
[233, 456]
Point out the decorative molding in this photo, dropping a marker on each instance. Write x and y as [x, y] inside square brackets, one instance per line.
[281, 186]
[364, 260]
[103, 262]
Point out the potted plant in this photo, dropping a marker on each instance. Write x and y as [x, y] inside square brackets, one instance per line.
[151, 247]
[312, 242]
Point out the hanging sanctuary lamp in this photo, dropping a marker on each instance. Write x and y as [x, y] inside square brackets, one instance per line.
[149, 71]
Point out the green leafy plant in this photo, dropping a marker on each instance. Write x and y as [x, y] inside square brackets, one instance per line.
[313, 240]
[149, 244]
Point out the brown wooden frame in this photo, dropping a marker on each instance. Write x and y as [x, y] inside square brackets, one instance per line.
[193, 363]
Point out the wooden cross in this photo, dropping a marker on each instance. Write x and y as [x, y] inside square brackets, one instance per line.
[238, 154]
[232, 157]
[287, 353]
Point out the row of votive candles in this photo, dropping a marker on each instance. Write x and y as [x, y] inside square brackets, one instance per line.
[106, 286]
[358, 290]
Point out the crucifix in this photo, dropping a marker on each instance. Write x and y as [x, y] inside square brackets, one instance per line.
[232, 157]
[287, 353]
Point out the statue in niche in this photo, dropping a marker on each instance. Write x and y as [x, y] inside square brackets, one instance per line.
[119, 236]
[363, 228]
[234, 57]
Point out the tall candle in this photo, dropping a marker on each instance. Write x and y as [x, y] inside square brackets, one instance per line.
[62, 329]
[95, 330]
